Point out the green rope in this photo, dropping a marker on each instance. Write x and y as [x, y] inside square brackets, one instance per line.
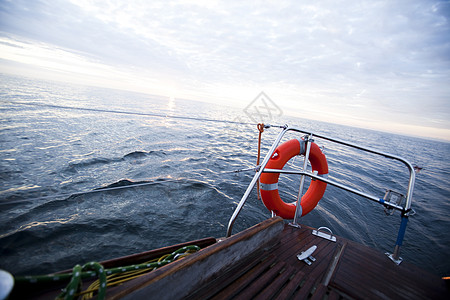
[74, 285]
[93, 269]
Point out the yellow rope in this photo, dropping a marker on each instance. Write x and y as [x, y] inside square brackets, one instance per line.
[117, 279]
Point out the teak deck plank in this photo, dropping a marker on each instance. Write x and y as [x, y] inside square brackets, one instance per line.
[361, 267]
[306, 288]
[320, 292]
[228, 277]
[291, 286]
[261, 282]
[333, 295]
[243, 280]
[272, 289]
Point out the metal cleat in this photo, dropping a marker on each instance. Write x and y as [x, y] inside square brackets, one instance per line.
[306, 256]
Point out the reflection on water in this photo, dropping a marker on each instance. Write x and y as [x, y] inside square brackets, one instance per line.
[41, 223]
[171, 104]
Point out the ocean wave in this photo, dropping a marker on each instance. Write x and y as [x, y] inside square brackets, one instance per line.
[92, 162]
[143, 154]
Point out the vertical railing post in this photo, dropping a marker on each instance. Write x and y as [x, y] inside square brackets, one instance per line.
[254, 180]
[395, 256]
[298, 209]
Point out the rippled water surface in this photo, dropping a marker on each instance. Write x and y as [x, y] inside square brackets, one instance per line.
[55, 163]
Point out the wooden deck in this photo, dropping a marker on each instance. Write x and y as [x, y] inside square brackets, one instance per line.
[261, 263]
[342, 270]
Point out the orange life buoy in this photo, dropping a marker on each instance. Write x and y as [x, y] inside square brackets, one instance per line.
[269, 181]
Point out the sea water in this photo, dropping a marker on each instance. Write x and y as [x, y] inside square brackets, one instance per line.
[61, 145]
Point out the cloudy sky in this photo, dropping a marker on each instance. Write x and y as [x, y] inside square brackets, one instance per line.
[383, 65]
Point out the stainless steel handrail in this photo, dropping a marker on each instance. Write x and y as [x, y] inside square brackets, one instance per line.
[370, 150]
[404, 209]
[336, 184]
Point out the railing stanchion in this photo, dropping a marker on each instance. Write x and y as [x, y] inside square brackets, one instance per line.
[254, 180]
[298, 209]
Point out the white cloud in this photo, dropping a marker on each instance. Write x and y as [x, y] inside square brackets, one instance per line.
[387, 60]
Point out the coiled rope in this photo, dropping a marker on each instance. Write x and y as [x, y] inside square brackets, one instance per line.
[106, 277]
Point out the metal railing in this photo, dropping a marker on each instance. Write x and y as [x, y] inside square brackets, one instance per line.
[404, 209]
